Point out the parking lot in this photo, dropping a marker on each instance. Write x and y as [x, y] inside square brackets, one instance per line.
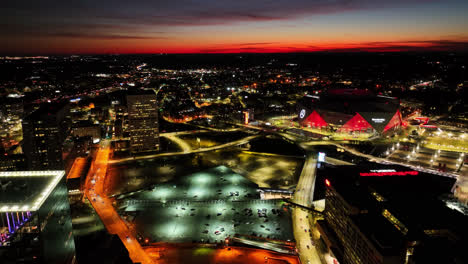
[206, 206]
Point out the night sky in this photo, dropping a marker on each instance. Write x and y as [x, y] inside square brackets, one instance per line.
[231, 26]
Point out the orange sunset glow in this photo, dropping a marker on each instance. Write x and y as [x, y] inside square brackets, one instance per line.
[111, 27]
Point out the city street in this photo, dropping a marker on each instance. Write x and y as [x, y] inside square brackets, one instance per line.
[197, 254]
[303, 196]
[95, 191]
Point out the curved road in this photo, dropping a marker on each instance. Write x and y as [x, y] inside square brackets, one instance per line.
[230, 144]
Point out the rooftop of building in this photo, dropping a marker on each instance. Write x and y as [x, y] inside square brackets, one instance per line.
[351, 101]
[26, 190]
[84, 123]
[48, 109]
[141, 92]
[396, 204]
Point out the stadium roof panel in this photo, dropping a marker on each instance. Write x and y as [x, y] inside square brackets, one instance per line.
[339, 109]
[351, 104]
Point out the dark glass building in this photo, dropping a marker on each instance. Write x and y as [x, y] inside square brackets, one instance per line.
[379, 214]
[35, 225]
[44, 132]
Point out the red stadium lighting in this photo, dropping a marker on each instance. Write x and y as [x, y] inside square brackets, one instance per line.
[357, 123]
[389, 173]
[396, 121]
[315, 120]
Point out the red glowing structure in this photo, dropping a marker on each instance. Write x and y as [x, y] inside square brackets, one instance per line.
[388, 173]
[395, 122]
[357, 123]
[315, 120]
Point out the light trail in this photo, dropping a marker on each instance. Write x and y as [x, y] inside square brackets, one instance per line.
[303, 196]
[103, 205]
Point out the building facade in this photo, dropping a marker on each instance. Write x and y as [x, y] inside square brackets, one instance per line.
[93, 131]
[44, 132]
[388, 214]
[355, 246]
[143, 122]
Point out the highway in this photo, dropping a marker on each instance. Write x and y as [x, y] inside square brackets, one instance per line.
[301, 226]
[385, 161]
[182, 144]
[230, 144]
[96, 194]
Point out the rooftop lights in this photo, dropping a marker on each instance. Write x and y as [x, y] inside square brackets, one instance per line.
[39, 199]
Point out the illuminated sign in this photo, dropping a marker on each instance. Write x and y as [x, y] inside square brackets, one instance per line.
[321, 157]
[388, 173]
[302, 113]
[246, 118]
[378, 120]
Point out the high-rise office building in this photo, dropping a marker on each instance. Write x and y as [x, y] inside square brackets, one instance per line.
[143, 121]
[35, 225]
[390, 215]
[44, 132]
[11, 109]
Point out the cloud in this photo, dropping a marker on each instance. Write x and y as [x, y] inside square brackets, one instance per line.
[103, 36]
[255, 43]
[163, 19]
[412, 45]
[182, 12]
[384, 46]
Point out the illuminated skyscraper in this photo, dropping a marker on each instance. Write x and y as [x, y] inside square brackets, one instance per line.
[35, 225]
[143, 121]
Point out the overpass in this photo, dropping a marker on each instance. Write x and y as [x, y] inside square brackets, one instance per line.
[226, 145]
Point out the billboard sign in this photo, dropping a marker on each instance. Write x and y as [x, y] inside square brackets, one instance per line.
[321, 157]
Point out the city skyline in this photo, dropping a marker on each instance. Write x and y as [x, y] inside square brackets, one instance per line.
[53, 27]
